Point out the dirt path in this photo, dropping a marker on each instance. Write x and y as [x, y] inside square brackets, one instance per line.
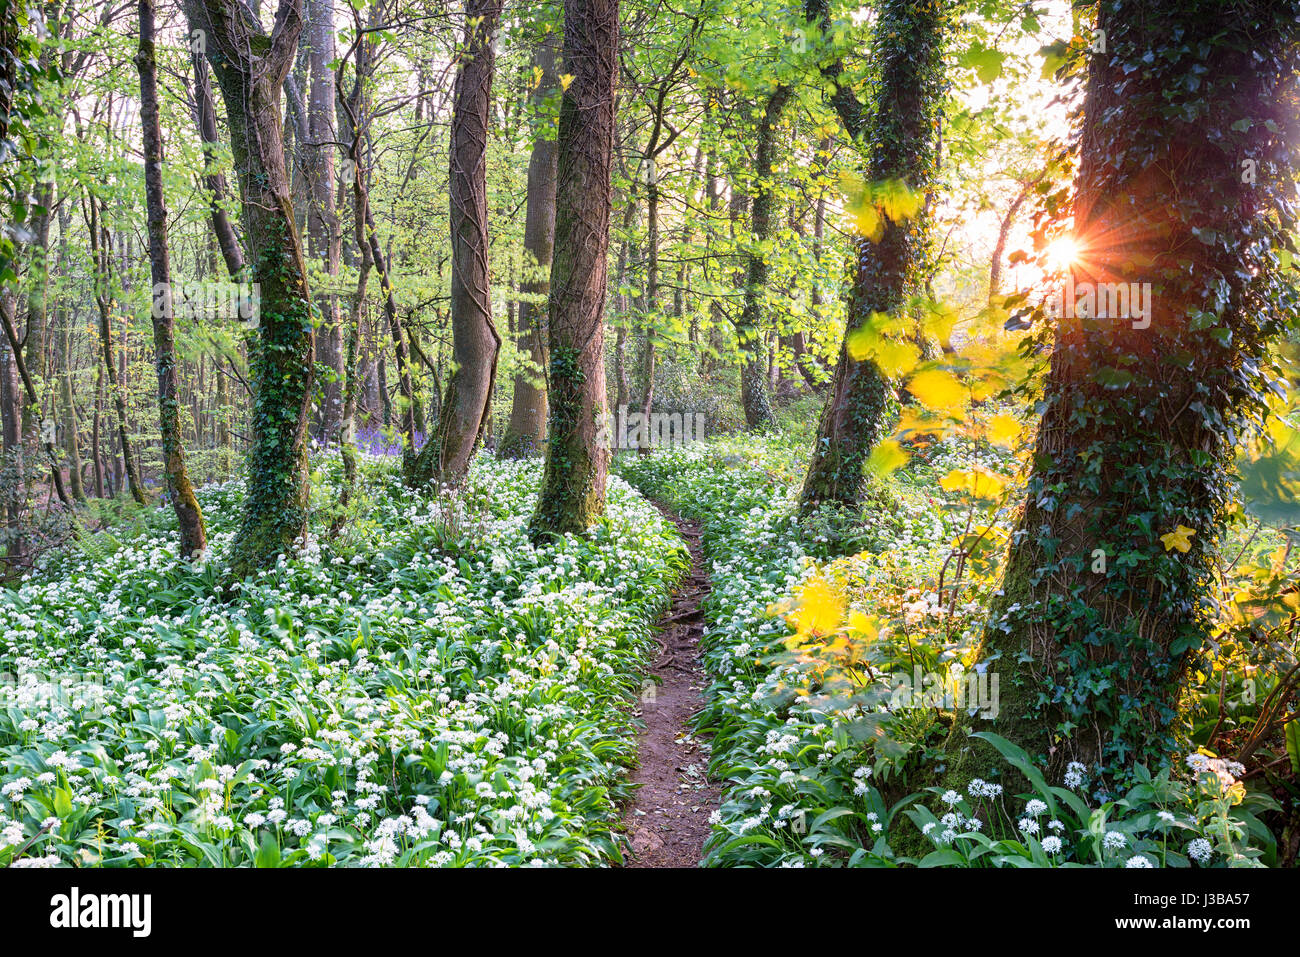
[668, 820]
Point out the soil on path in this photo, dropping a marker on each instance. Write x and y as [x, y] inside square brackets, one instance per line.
[668, 821]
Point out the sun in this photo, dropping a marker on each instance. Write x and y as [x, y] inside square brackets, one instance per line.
[1062, 253]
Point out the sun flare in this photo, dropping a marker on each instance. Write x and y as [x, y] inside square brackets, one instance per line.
[1062, 253]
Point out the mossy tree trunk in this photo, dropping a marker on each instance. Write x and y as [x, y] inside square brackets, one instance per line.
[577, 450]
[475, 341]
[901, 133]
[1188, 153]
[251, 68]
[189, 517]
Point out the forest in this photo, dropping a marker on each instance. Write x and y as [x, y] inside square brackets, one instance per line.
[649, 434]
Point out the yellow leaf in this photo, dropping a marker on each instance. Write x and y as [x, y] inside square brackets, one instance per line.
[1003, 430]
[565, 80]
[978, 482]
[820, 611]
[861, 343]
[868, 222]
[938, 320]
[1180, 538]
[896, 359]
[897, 200]
[888, 456]
[914, 426]
[937, 389]
[865, 625]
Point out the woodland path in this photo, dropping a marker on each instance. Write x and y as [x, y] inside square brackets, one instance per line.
[668, 820]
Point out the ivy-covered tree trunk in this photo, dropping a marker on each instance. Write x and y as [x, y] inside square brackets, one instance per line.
[475, 341]
[526, 429]
[1185, 183]
[250, 68]
[901, 133]
[754, 391]
[189, 516]
[577, 449]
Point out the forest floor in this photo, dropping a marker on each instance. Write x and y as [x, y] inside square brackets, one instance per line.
[668, 820]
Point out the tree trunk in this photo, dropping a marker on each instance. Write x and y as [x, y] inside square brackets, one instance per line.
[101, 251]
[213, 181]
[650, 303]
[12, 470]
[577, 450]
[324, 237]
[749, 331]
[250, 70]
[526, 430]
[1099, 614]
[189, 516]
[97, 457]
[475, 342]
[909, 76]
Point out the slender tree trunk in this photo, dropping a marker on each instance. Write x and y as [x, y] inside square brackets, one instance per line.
[1004, 230]
[475, 342]
[69, 409]
[189, 517]
[651, 304]
[251, 69]
[97, 457]
[101, 251]
[324, 237]
[749, 330]
[13, 477]
[214, 182]
[354, 110]
[37, 359]
[577, 449]
[527, 427]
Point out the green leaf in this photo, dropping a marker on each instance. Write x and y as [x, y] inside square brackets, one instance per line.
[268, 855]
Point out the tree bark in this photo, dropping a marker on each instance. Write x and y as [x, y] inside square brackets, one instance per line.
[526, 430]
[749, 330]
[475, 341]
[577, 451]
[324, 237]
[100, 251]
[189, 517]
[902, 130]
[213, 181]
[1099, 615]
[251, 69]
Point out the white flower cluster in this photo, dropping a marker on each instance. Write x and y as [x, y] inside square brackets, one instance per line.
[431, 688]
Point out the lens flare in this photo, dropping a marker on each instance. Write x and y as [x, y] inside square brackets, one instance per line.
[1061, 254]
